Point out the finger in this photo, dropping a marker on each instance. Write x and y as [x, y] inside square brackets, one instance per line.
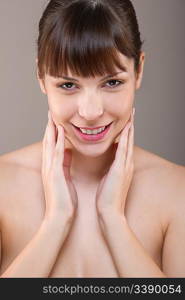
[59, 150]
[67, 158]
[43, 151]
[49, 144]
[121, 147]
[117, 138]
[121, 152]
[126, 132]
[129, 158]
[53, 127]
[67, 163]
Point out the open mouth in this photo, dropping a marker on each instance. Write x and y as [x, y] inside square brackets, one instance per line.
[102, 126]
[90, 137]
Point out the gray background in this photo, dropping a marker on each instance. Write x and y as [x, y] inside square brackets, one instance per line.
[160, 103]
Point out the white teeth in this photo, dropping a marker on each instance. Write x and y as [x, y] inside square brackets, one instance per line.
[95, 131]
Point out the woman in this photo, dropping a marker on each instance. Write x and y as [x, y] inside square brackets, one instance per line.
[85, 203]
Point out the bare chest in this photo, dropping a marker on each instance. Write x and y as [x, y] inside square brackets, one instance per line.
[84, 253]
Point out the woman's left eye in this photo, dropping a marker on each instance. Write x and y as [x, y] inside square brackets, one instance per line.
[114, 81]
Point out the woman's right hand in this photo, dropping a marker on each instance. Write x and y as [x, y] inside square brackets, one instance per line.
[60, 193]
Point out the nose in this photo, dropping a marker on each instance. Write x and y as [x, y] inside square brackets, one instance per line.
[90, 107]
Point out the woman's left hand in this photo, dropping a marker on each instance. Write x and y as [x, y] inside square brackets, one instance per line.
[113, 188]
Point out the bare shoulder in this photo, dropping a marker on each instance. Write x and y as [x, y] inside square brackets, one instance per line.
[157, 167]
[164, 190]
[161, 180]
[17, 169]
[28, 157]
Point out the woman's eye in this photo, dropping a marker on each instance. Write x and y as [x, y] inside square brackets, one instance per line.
[68, 86]
[113, 81]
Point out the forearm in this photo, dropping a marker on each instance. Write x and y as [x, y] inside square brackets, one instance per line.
[129, 256]
[39, 256]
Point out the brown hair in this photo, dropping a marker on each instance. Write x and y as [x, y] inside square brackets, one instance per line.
[86, 36]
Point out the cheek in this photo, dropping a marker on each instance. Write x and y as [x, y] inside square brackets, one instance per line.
[61, 109]
[120, 104]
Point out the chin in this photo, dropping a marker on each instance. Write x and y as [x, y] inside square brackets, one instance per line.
[93, 150]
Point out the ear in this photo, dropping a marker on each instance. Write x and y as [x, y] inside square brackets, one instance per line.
[41, 81]
[139, 74]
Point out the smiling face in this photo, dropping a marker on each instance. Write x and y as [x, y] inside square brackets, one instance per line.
[93, 102]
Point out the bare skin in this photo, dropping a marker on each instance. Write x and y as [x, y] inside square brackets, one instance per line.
[39, 240]
[154, 200]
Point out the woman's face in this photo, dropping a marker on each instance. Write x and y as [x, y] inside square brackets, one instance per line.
[93, 102]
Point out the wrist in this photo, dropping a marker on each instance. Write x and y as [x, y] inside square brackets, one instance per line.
[111, 217]
[57, 219]
[110, 213]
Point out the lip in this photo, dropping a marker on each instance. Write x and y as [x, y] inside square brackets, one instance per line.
[92, 137]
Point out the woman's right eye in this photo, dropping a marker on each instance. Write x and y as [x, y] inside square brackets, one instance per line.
[68, 86]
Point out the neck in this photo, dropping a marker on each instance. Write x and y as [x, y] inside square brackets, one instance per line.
[88, 169]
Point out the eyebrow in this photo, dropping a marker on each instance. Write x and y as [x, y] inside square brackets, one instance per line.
[108, 76]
